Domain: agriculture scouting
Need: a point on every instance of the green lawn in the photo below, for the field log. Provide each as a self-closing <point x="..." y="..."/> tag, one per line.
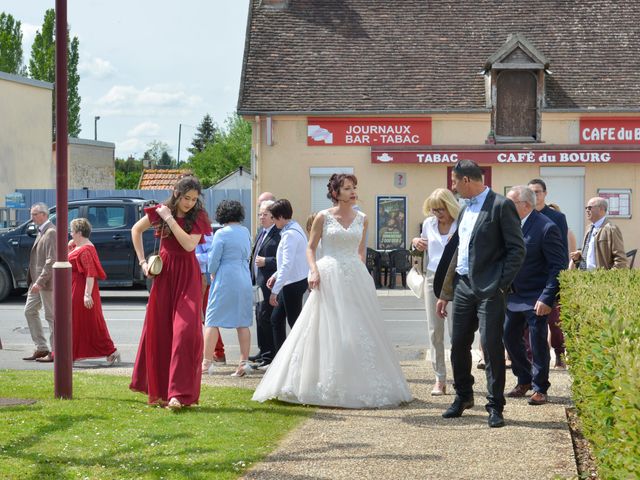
<point x="109" y="432"/>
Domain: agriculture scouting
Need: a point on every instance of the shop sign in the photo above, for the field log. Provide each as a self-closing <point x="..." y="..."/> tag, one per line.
<point x="368" y="131"/>
<point x="545" y="157"/>
<point x="620" y="130"/>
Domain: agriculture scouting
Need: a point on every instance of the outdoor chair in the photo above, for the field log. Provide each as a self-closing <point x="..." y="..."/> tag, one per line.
<point x="631" y="255"/>
<point x="373" y="266"/>
<point x="399" y="264"/>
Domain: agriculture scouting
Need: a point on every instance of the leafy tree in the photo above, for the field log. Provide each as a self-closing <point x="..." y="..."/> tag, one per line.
<point x="205" y="134"/>
<point x="10" y="45"/>
<point x="158" y="154"/>
<point x="128" y="173"/>
<point x="230" y="149"/>
<point x="42" y="66"/>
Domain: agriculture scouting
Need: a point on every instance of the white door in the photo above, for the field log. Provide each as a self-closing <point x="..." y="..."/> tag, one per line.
<point x="565" y="188"/>
<point x="319" y="179"/>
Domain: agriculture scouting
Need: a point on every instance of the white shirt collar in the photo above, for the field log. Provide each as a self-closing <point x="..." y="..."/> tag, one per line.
<point x="522" y="222"/>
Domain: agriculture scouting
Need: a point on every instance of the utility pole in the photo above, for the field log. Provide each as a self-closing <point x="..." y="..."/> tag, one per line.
<point x="63" y="364"/>
<point x="95" y="127"/>
<point x="179" y="138"/>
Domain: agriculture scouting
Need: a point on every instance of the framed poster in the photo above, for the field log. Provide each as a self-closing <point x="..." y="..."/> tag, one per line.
<point x="391" y="222"/>
<point x="619" y="200"/>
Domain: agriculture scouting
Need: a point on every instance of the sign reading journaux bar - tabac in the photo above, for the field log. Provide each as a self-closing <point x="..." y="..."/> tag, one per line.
<point x="368" y="131"/>
<point x="544" y="157"/>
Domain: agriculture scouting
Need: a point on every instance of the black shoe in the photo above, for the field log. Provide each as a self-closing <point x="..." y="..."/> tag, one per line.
<point x="256" y="358"/>
<point x="264" y="364"/>
<point x="496" y="420"/>
<point x="457" y="407"/>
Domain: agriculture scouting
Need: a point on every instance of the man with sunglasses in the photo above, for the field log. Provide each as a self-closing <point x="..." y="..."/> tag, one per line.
<point x="602" y="246"/>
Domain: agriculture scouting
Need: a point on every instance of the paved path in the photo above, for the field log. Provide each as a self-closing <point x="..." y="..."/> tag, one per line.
<point x="415" y="442"/>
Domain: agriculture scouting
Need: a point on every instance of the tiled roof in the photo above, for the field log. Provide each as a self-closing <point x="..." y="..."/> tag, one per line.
<point x="152" y="179"/>
<point x="419" y="55"/>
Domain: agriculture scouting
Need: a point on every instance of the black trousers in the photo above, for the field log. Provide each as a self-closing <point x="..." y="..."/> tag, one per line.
<point x="470" y="312"/>
<point x="264" y="332"/>
<point x="289" y="308"/>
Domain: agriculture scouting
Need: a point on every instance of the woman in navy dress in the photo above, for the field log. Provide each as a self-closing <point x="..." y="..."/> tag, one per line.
<point x="231" y="295"/>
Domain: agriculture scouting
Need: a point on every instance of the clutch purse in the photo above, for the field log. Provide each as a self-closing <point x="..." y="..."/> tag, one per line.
<point x="415" y="282"/>
<point x="257" y="294"/>
<point x="154" y="263"/>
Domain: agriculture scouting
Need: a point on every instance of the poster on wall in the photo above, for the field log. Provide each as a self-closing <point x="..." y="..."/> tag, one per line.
<point x="619" y="200"/>
<point x="391" y="222"/>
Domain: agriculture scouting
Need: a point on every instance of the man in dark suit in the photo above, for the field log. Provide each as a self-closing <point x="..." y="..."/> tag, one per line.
<point x="475" y="271"/>
<point x="263" y="265"/>
<point x="535" y="289"/>
<point x="539" y="188"/>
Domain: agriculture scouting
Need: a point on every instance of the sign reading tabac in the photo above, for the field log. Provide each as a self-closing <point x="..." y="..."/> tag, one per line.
<point x="484" y="157"/>
<point x="368" y="131"/>
<point x="618" y="130"/>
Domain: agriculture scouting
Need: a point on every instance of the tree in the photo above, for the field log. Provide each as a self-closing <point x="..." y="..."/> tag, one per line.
<point x="230" y="149"/>
<point x="42" y="66"/>
<point x="128" y="173"/>
<point x="158" y="154"/>
<point x="205" y="134"/>
<point x="10" y="45"/>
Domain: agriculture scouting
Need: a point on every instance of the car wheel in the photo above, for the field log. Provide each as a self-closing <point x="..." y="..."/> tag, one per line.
<point x="6" y="285"/>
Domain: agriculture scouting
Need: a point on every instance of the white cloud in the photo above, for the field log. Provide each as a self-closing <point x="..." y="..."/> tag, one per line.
<point x="145" y="129"/>
<point x="96" y="67"/>
<point x="150" y="100"/>
<point x="28" y="34"/>
<point x="131" y="146"/>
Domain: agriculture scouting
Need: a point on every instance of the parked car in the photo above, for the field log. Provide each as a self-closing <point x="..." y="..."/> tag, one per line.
<point x="111" y="219"/>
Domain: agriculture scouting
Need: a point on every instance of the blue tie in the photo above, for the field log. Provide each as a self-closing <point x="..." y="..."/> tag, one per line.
<point x="470" y="201"/>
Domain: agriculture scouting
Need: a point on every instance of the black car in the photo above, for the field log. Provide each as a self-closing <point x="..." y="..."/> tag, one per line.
<point x="111" y="220"/>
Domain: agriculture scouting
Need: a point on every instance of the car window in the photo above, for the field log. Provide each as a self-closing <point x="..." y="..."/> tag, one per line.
<point x="106" y="217"/>
<point x="73" y="214"/>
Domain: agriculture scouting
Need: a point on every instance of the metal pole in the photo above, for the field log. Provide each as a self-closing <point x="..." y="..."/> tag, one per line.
<point x="95" y="127"/>
<point x="63" y="364"/>
<point x="179" y="138"/>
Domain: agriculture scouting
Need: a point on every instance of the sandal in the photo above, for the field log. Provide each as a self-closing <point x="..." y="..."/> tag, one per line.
<point x="174" y="404"/>
<point x="244" y="368"/>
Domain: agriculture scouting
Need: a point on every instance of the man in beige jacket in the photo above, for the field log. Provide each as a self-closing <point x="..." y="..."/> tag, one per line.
<point x="40" y="280"/>
<point x="602" y="246"/>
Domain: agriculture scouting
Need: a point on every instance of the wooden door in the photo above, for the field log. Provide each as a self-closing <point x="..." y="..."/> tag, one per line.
<point x="516" y="104"/>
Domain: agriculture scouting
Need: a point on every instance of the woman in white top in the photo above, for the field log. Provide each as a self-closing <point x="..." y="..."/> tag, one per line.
<point x="442" y="209"/>
<point x="289" y="283"/>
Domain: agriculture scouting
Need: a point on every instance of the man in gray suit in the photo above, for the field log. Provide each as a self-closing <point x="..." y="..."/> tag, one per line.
<point x="40" y="279"/>
<point x="475" y="271"/>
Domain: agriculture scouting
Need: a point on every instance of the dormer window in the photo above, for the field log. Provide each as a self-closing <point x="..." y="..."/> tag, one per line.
<point x="516" y="72"/>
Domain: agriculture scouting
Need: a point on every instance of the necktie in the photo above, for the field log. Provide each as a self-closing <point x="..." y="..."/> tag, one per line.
<point x="585" y="249"/>
<point x="470" y="201"/>
<point x="255" y="252"/>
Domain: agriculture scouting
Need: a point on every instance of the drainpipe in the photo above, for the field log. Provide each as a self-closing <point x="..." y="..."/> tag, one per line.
<point x="257" y="169"/>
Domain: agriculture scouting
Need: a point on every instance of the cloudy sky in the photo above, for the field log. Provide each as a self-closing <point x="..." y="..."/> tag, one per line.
<point x="147" y="66"/>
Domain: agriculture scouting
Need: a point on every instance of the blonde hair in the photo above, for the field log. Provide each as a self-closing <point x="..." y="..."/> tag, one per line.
<point x="441" y="198"/>
<point x="82" y="226"/>
<point x="310" y="220"/>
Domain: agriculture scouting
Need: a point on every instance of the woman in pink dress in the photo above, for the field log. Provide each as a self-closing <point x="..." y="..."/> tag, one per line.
<point x="168" y="363"/>
<point x="91" y="337"/>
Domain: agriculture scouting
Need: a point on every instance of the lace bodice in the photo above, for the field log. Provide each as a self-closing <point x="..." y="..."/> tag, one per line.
<point x="339" y="242"/>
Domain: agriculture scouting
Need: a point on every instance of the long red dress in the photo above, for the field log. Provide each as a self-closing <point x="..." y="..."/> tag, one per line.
<point x="90" y="334"/>
<point x="169" y="359"/>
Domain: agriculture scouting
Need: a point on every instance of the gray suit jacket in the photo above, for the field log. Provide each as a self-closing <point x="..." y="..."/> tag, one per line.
<point x="43" y="255"/>
<point x="496" y="251"/>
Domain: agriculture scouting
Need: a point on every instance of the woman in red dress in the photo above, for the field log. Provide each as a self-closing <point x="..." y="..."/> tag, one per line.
<point x="168" y="363"/>
<point x="91" y="337"/>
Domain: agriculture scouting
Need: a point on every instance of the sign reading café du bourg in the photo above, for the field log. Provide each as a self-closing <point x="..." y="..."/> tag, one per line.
<point x="369" y="131"/>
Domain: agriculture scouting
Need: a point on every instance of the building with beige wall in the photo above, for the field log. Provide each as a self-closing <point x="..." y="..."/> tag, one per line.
<point x="25" y="134"/>
<point x="398" y="93"/>
<point x="91" y="164"/>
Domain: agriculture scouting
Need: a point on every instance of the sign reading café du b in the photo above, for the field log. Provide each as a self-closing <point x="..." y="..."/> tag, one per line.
<point x="368" y="131"/>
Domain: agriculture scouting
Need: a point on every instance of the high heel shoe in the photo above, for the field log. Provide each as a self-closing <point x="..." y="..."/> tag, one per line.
<point x="114" y="358"/>
<point x="244" y="368"/>
<point x="208" y="367"/>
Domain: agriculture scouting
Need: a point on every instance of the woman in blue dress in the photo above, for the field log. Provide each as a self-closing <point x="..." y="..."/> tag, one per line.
<point x="231" y="295"/>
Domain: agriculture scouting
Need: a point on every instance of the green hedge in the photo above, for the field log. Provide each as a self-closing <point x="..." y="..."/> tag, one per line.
<point x="601" y="321"/>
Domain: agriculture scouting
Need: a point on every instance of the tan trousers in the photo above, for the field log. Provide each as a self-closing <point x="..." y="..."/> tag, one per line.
<point x="436" y="328"/>
<point x="35" y="301"/>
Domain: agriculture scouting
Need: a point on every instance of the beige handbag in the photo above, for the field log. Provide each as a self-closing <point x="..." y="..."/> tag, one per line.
<point x="154" y="263"/>
<point x="415" y="282"/>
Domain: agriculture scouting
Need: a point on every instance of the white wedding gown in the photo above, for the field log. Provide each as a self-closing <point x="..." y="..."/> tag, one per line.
<point x="338" y="353"/>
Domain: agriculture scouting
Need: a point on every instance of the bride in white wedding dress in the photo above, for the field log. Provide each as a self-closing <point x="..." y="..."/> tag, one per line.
<point x="338" y="353"/>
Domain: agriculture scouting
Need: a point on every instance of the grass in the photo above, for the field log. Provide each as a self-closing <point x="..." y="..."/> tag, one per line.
<point x="109" y="432"/>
